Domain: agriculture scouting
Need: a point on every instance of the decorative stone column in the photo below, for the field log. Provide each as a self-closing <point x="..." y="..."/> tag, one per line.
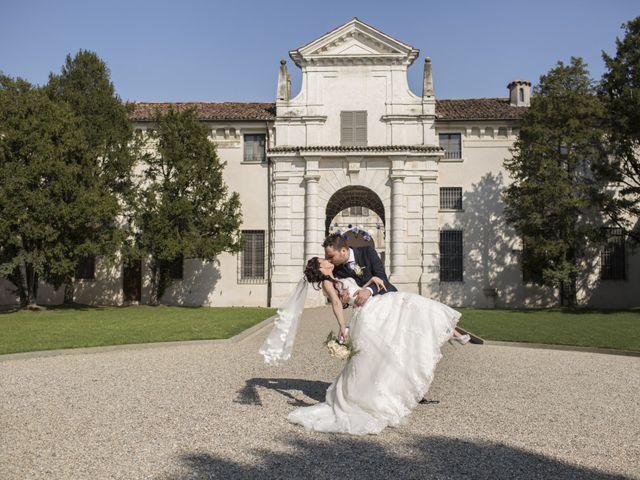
<point x="398" y="233"/>
<point x="312" y="242"/>
<point x="429" y="279"/>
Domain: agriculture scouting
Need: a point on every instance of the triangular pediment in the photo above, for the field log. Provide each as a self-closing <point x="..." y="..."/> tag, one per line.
<point x="354" y="40"/>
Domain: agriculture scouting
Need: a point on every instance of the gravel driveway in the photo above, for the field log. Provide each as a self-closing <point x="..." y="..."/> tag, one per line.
<point x="214" y="410"/>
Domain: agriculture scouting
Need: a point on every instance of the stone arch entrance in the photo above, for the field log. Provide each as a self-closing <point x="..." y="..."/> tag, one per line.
<point x="358" y="214"/>
<point x="352" y="196"/>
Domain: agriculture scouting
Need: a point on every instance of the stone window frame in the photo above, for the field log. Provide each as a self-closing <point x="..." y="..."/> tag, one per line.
<point x="255" y="159"/>
<point x="461" y="134"/>
<point x="451" y="194"/>
<point x="252" y="258"/>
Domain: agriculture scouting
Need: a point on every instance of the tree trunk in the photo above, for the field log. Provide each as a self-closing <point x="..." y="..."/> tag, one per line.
<point x="69" y="291"/>
<point x="155" y="283"/>
<point x="18" y="279"/>
<point x="32" y="285"/>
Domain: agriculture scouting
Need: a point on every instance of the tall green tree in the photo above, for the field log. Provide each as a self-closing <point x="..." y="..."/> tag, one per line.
<point x="556" y="194"/>
<point x="620" y="91"/>
<point x="52" y="206"/>
<point x="84" y="84"/>
<point x="184" y="208"/>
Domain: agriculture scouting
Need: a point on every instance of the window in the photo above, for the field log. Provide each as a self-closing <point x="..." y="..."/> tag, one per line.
<point x="353" y="128"/>
<point x="450" y="255"/>
<point x="355" y="212"/>
<point x="612" y="258"/>
<point x="176" y="269"/>
<point x="254" y="148"/>
<point x="521" y="94"/>
<point x="452" y="145"/>
<point x="86" y="268"/>
<point x="531" y="272"/>
<point x="252" y="257"/>
<point x="451" y="198"/>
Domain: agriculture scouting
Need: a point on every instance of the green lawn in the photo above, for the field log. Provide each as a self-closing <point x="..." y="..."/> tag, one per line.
<point x="618" y="329"/>
<point x="73" y="327"/>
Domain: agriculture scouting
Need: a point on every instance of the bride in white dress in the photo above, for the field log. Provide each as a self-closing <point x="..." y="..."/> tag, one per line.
<point x="398" y="337"/>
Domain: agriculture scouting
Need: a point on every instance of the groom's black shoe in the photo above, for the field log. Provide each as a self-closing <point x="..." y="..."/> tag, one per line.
<point x="425" y="401"/>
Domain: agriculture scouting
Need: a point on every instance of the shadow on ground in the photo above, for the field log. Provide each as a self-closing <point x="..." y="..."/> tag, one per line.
<point x="419" y="457"/>
<point x="249" y="395"/>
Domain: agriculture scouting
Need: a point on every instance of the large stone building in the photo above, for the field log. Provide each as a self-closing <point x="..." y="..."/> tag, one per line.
<point x="357" y="150"/>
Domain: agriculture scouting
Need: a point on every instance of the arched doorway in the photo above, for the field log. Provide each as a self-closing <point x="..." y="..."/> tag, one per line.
<point x="357" y="213"/>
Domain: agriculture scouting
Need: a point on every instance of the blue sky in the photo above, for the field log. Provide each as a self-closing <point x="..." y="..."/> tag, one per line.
<point x="229" y="51"/>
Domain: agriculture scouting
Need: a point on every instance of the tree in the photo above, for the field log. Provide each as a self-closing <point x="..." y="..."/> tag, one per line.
<point x="52" y="206"/>
<point x="84" y="84"/>
<point x="620" y="91"/>
<point x="184" y="209"/>
<point x="557" y="192"/>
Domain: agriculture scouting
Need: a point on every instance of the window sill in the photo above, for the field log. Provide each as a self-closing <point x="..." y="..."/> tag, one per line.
<point x="451" y="210"/>
<point x="245" y="162"/>
<point x="452" y="160"/>
<point x="252" y="281"/>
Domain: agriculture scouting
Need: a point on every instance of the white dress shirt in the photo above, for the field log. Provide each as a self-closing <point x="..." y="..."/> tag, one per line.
<point x="351" y="263"/>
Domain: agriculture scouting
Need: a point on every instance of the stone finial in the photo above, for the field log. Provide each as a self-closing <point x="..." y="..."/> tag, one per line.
<point x="427" y="82"/>
<point x="284" y="82"/>
<point x="519" y="93"/>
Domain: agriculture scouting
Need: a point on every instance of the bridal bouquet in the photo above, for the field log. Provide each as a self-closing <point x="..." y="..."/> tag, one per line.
<point x="340" y="348"/>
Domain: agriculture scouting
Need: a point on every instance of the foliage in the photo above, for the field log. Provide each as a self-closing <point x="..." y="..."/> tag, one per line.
<point x="620" y="91"/>
<point x="555" y="198"/>
<point x="52" y="206"/>
<point x="183" y="208"/>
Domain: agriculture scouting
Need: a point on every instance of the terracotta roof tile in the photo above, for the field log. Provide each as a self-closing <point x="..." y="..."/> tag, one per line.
<point x="210" y="110"/>
<point x="356" y="148"/>
<point x="463" y="109"/>
<point x="477" y="109"/>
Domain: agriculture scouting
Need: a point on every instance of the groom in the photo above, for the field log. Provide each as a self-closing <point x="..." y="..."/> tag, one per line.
<point x="359" y="263"/>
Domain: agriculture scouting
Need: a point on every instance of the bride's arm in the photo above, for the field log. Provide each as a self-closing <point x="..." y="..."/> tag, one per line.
<point x="336" y="305"/>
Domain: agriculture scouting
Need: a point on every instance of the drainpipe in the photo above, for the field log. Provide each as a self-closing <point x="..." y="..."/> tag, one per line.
<point x="269" y="247"/>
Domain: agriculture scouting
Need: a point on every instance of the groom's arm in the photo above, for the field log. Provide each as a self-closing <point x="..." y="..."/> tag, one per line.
<point x="377" y="269"/>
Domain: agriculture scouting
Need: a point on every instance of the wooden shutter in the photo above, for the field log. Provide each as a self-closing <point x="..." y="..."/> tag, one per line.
<point x="360" y="128"/>
<point x="346" y="128"/>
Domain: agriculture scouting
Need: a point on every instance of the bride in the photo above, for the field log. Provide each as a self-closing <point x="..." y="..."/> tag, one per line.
<point x="398" y="337"/>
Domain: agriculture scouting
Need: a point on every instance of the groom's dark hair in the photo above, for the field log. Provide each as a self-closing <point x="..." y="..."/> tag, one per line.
<point x="336" y="241"/>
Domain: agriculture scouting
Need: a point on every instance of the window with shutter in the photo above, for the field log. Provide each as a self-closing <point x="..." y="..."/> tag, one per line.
<point x="353" y="128"/>
<point x="452" y="144"/>
<point x="255" y="148"/>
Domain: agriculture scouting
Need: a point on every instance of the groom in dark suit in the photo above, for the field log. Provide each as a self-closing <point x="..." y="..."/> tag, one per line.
<point x="359" y="263"/>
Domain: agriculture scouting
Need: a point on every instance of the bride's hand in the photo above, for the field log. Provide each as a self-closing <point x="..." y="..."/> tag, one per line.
<point x="342" y="334"/>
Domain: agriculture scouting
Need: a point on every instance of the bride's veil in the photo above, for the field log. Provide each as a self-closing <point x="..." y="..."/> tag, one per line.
<point x="277" y="348"/>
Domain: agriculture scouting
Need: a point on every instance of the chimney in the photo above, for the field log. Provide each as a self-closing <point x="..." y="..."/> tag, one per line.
<point x="284" y="82"/>
<point x="519" y="93"/>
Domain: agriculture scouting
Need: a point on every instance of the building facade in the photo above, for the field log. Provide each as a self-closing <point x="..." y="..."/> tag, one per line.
<point x="356" y="150"/>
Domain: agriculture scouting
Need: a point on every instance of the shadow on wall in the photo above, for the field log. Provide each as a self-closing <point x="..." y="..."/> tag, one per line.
<point x="419" y="456"/>
<point x="197" y="287"/>
<point x="492" y="275"/>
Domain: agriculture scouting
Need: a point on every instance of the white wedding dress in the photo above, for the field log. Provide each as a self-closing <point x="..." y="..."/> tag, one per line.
<point x="398" y="336"/>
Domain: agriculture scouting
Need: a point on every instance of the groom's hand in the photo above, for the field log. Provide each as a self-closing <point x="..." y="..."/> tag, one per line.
<point x="362" y="296"/>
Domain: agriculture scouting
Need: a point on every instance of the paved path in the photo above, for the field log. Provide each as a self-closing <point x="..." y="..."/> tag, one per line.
<point x="216" y="411"/>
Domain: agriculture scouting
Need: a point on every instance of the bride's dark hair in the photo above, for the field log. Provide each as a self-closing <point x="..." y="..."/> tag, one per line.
<point x="315" y="277"/>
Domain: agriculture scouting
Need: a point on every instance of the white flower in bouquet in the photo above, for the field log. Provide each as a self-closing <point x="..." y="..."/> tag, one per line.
<point x="341" y="350"/>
